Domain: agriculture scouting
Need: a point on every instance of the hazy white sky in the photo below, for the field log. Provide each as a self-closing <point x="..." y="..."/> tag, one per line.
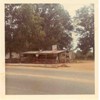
<point x="71" y="8"/>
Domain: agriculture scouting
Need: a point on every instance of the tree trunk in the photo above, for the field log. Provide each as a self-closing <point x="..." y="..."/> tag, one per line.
<point x="19" y="57"/>
<point x="93" y="52"/>
<point x="10" y="55"/>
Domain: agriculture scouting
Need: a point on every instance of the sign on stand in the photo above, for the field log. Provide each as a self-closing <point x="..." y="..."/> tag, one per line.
<point x="54" y="47"/>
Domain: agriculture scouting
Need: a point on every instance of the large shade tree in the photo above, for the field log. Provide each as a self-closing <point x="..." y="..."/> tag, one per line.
<point x="22" y="28"/>
<point x="85" y="19"/>
<point x="29" y="30"/>
<point x="57" y="25"/>
<point x="10" y="28"/>
<point x="36" y="26"/>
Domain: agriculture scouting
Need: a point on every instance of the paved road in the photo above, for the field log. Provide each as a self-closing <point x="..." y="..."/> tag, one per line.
<point x="48" y="81"/>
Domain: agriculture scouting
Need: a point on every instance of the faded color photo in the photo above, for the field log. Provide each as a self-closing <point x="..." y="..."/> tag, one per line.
<point x="49" y="49"/>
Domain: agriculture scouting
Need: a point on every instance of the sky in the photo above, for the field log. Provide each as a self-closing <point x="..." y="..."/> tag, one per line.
<point x="71" y="8"/>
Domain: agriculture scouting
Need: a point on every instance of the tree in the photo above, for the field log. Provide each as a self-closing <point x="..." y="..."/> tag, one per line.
<point x="23" y="28"/>
<point x="29" y="30"/>
<point x="57" y="25"/>
<point x="36" y="26"/>
<point x="85" y="19"/>
<point x="10" y="27"/>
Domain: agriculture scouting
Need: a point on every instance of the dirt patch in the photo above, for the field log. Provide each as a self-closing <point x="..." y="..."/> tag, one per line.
<point x="84" y="65"/>
<point x="79" y="66"/>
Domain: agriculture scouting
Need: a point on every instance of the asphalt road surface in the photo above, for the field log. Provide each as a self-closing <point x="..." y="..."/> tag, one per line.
<point x="48" y="81"/>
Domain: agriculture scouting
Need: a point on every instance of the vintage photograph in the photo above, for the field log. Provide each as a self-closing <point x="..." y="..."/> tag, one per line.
<point x="49" y="49"/>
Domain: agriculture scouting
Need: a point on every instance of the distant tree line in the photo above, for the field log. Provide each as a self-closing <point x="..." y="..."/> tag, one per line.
<point x="80" y="56"/>
<point x="39" y="26"/>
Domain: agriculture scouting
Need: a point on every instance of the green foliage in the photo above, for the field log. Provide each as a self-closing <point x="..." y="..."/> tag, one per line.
<point x="36" y="26"/>
<point x="10" y="27"/>
<point x="81" y="56"/>
<point x="85" y="17"/>
<point x="57" y="25"/>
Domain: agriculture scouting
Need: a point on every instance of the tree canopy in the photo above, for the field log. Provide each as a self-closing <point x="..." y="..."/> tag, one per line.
<point x="36" y="26"/>
<point x="85" y="19"/>
<point x="39" y="26"/>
